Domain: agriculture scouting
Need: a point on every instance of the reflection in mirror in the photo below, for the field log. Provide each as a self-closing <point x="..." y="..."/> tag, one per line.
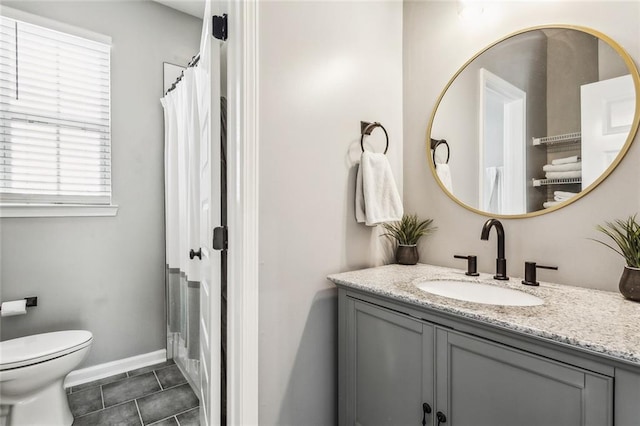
<point x="535" y="121"/>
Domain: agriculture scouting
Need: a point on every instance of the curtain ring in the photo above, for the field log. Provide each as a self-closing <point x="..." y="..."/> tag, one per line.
<point x="367" y="131"/>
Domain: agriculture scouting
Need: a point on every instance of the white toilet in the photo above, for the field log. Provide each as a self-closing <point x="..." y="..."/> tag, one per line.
<point x="32" y="372"/>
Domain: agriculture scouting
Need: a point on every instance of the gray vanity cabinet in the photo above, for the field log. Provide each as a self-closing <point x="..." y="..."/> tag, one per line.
<point x="389" y="372"/>
<point x="390" y="364"/>
<point x="484" y="383"/>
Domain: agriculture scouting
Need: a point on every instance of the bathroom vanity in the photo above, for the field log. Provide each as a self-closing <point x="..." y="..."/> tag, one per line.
<point x="408" y="357"/>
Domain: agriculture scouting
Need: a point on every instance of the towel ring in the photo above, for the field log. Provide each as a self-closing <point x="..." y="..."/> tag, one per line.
<point x="435" y="143"/>
<point x="367" y="128"/>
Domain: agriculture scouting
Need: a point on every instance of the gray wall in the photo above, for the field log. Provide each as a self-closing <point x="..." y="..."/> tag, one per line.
<point x="106" y="274"/>
<point x="521" y="62"/>
<point x="572" y="61"/>
<point x="609" y="63"/>
<point x="434" y="34"/>
<point x="324" y="66"/>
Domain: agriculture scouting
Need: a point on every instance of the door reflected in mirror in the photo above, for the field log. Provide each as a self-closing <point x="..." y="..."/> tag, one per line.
<point x="535" y="121"/>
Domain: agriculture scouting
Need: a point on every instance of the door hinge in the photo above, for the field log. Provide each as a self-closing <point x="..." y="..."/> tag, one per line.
<point x="220" y="238"/>
<point x="220" y="27"/>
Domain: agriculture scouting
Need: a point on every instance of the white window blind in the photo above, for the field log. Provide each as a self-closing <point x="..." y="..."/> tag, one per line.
<point x="54" y="117"/>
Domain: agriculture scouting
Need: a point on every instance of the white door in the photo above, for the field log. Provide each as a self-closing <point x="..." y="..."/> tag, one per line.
<point x="210" y="349"/>
<point x="502" y="157"/>
<point x="607" y="110"/>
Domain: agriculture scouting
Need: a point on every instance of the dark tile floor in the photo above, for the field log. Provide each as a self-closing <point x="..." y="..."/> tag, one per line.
<point x="155" y="395"/>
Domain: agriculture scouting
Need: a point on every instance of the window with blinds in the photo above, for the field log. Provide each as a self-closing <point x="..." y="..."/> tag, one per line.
<point x="54" y="117"/>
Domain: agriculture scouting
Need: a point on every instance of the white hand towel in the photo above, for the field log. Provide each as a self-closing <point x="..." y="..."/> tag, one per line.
<point x="565" y="160"/>
<point x="444" y="173"/>
<point x="361" y="215"/>
<point x="377" y="198"/>
<point x="562" y="167"/>
<point x="564" y="175"/>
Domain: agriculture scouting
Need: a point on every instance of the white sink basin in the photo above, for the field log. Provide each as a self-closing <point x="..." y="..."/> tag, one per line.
<point x="479" y="293"/>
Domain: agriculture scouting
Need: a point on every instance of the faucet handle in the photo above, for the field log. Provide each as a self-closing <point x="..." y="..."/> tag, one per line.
<point x="472" y="264"/>
<point x="530" y="272"/>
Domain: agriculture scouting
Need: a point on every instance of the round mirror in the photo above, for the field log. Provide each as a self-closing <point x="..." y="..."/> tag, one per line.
<point x="534" y="121"/>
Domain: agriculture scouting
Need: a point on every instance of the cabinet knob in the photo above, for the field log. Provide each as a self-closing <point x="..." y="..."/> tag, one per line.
<point x="441" y="418"/>
<point x="426" y="409"/>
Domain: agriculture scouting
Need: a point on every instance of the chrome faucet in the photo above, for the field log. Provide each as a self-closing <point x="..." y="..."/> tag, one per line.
<point x="501" y="262"/>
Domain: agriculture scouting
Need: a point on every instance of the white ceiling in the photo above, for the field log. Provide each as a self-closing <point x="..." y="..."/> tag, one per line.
<point x="191" y="7"/>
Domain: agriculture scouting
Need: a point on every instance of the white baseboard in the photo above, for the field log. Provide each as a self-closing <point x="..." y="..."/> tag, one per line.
<point x="100" y="371"/>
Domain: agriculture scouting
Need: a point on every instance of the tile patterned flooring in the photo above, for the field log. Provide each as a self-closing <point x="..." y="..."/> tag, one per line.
<point x="157" y="395"/>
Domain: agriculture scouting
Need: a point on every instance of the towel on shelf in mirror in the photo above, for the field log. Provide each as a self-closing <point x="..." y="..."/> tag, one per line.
<point x="566" y="160"/>
<point x="567" y="167"/>
<point x="377" y="198"/>
<point x="549" y="204"/>
<point x="563" y="195"/>
<point x="564" y="175"/>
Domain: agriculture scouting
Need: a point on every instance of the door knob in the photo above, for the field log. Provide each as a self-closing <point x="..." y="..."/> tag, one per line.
<point x="193" y="254"/>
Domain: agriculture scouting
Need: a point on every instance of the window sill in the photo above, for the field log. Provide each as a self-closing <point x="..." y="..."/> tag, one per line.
<point x="56" y="210"/>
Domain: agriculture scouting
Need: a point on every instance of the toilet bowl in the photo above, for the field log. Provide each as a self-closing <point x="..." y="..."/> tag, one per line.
<point x="32" y="372"/>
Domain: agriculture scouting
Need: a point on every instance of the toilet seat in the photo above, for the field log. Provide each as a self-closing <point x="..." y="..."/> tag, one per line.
<point x="29" y="350"/>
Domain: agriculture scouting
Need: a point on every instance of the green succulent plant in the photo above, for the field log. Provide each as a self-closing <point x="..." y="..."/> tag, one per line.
<point x="626" y="235"/>
<point x="408" y="230"/>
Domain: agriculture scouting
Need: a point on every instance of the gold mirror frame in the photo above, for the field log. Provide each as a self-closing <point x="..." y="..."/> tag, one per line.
<point x="633" y="70"/>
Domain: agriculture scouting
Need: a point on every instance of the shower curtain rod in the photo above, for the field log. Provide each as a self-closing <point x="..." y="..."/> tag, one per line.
<point x="192" y="63"/>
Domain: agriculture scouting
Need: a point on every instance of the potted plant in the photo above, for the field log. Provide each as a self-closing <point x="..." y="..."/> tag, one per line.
<point x="406" y="233"/>
<point x="626" y="235"/>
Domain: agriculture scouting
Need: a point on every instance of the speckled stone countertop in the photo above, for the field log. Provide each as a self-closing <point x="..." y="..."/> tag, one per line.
<point x="598" y="321"/>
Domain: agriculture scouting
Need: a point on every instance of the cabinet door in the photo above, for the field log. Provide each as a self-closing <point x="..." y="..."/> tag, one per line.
<point x="481" y="383"/>
<point x="386" y="367"/>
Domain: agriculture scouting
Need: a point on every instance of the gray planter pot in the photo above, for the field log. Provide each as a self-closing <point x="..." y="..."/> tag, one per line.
<point x="630" y="283"/>
<point x="407" y="255"/>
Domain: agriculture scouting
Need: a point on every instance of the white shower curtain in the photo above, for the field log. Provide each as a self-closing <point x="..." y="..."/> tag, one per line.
<point x="182" y="219"/>
<point x="493" y="189"/>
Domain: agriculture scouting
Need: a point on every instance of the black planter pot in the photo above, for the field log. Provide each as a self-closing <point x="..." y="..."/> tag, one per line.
<point x="407" y="255"/>
<point x="630" y="283"/>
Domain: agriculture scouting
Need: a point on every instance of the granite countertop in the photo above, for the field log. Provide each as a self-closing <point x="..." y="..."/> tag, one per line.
<point x="598" y="321"/>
